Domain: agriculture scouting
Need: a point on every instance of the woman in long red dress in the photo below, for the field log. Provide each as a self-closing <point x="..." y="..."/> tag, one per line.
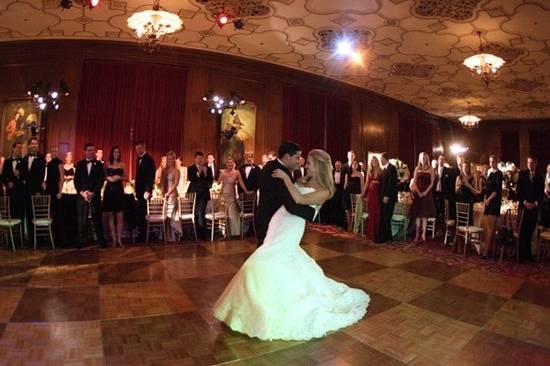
<point x="373" y="199"/>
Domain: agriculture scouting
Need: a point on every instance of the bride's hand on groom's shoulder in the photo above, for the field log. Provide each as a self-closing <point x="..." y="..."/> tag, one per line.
<point x="279" y="173"/>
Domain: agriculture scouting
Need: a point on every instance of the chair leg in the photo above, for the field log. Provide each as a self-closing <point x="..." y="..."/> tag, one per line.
<point x="466" y="237"/>
<point x="147" y="235"/>
<point x="164" y="232"/>
<point x="34" y="237"/>
<point x="195" y="230"/>
<point x="212" y="230"/>
<point x="51" y="236"/>
<point x="21" y="234"/>
<point x="12" y="241"/>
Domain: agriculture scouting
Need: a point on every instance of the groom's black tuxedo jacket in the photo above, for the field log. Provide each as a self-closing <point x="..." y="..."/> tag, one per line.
<point x="273" y="195"/>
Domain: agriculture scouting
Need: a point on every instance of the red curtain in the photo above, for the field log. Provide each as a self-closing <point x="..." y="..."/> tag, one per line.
<point x="117" y="97"/>
<point x="316" y="120"/>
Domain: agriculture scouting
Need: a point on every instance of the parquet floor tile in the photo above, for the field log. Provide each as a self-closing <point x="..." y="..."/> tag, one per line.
<point x="534" y="293"/>
<point x="433" y="269"/>
<point x="132" y="272"/>
<point x="230" y="247"/>
<point x="139" y="299"/>
<point x="395" y="283"/>
<point x="316" y="252"/>
<point x="180" y="251"/>
<point x="522" y="321"/>
<point x="460" y="303"/>
<point x="9" y="298"/>
<point x="59" y="343"/>
<point x="413" y="335"/>
<point x="204" y="292"/>
<point x="346" y="266"/>
<point x="58" y="305"/>
<point x="181" y="268"/>
<point x="71" y="275"/>
<point x="386" y="257"/>
<point x="16" y="275"/>
<point x="128" y="254"/>
<point x="25" y="257"/>
<point x="237" y="259"/>
<point x="490" y="283"/>
<point x="63" y="257"/>
<point x="346" y="247"/>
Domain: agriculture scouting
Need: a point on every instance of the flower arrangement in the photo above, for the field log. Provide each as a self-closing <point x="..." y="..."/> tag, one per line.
<point x="403" y="174"/>
<point x="510" y="182"/>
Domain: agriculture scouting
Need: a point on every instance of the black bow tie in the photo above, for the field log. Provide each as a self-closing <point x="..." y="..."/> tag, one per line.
<point x="34" y="155"/>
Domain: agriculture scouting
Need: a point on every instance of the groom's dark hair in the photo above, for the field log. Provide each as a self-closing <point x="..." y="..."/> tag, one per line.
<point x="288" y="147"/>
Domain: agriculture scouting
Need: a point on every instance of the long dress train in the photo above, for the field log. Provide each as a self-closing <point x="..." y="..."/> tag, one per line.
<point x="281" y="293"/>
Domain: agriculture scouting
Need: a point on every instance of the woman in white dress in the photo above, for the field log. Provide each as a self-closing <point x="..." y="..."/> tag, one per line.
<point x="169" y="179"/>
<point x="280" y="292"/>
<point x="228" y="179"/>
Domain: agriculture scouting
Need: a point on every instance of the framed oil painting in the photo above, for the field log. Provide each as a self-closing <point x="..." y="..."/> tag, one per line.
<point x="17" y="118"/>
<point x="238" y="132"/>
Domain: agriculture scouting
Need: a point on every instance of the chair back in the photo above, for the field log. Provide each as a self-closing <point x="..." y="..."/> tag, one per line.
<point x="187" y="204"/>
<point x="41" y="206"/>
<point x="247" y="202"/>
<point x="5" y="208"/>
<point x="401" y="208"/>
<point x="221" y="202"/>
<point x="156" y="206"/>
<point x="354" y="197"/>
<point x="462" y="214"/>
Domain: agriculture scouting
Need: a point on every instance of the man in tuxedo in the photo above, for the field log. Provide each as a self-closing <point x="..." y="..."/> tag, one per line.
<point x="201" y="179"/>
<point x="530" y="195"/>
<point x="388" y="197"/>
<point x="301" y="171"/>
<point x="441" y="179"/>
<point x="333" y="210"/>
<point x="144" y="181"/>
<point x="88" y="181"/>
<point x="250" y="173"/>
<point x="448" y="185"/>
<point x="346" y="168"/>
<point x="273" y="192"/>
<point x="52" y="184"/>
<point x="12" y="176"/>
<point x="211" y="160"/>
<point x="34" y="168"/>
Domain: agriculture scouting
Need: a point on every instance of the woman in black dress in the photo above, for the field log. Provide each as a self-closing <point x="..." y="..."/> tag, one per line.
<point x="67" y="195"/>
<point x="113" y="195"/>
<point x="492" y="201"/>
<point x="353" y="184"/>
<point x="466" y="189"/>
<point x="423" y="205"/>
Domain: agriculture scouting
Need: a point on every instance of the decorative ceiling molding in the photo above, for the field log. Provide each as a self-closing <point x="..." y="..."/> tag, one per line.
<point x="413" y="48"/>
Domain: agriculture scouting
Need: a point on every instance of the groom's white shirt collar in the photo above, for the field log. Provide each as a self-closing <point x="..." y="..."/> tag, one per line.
<point x="279" y="160"/>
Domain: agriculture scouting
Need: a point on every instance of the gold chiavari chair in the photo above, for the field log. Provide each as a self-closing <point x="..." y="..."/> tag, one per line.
<point x="187" y="205"/>
<point x="42" y="220"/>
<point x="156" y="216"/>
<point x="7" y="224"/>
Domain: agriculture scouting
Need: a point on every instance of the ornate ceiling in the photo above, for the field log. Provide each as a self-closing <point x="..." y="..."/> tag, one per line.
<point x="414" y="48"/>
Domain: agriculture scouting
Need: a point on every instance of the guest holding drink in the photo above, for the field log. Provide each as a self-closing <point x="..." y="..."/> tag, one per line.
<point x="465" y="188"/>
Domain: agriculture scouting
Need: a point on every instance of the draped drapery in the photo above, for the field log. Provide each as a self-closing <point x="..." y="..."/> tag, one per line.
<point x="316" y="120"/>
<point x="119" y="97"/>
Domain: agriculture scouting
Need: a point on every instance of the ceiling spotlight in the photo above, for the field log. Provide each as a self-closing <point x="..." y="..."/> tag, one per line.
<point x="356" y="57"/>
<point x="54" y="94"/>
<point x="44" y="96"/>
<point x="222" y="18"/>
<point x="212" y="111"/>
<point x="344" y="48"/>
<point x="92" y="3"/>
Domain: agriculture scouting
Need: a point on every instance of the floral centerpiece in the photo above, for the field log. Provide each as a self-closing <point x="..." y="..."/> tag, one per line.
<point x="510" y="182"/>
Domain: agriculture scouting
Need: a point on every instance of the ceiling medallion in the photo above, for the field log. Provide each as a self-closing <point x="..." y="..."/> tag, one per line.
<point x="469" y="121"/>
<point x="152" y="25"/>
<point x="484" y="65"/>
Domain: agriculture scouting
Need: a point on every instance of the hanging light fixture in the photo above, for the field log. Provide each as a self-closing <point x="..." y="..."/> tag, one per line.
<point x="152" y="25"/>
<point x="484" y="65"/>
<point x="469" y="121"/>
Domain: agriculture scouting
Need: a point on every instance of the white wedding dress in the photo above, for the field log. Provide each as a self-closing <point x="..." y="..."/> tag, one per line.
<point x="281" y="293"/>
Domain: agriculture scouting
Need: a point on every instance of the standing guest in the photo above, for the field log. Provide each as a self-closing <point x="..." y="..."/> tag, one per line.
<point x="67" y="195"/>
<point x="229" y="177"/>
<point x="169" y="181"/>
<point x="265" y="160"/>
<point x="441" y="177"/>
<point x="88" y="181"/>
<point x="271" y="155"/>
<point x="201" y="180"/>
<point x="353" y="184"/>
<point x="2" y="161"/>
<point x="530" y="194"/>
<point x="337" y="212"/>
<point x="12" y="177"/>
<point x="423" y="206"/>
<point x="388" y="198"/>
<point x="113" y="195"/>
<point x="34" y="166"/>
<point x="351" y="159"/>
<point x="545" y="208"/>
<point x="211" y="160"/>
<point x="144" y="182"/>
<point x="372" y="187"/>
<point x="547" y="177"/>
<point x="52" y="185"/>
<point x="159" y="170"/>
<point x="492" y="201"/>
<point x="250" y="173"/>
<point x="449" y="185"/>
<point x="182" y="185"/>
<point x="466" y="189"/>
<point x="301" y="171"/>
<point x="99" y="155"/>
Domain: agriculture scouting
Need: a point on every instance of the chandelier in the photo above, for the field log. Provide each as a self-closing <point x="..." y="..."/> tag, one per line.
<point x="484" y="65"/>
<point x="469" y="121"/>
<point x="151" y="25"/>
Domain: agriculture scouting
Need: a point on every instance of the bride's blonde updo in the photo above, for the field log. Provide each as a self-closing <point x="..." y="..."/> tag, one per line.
<point x="323" y="163"/>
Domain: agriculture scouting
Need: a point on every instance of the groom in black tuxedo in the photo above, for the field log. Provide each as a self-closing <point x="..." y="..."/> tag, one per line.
<point x="273" y="192"/>
<point x="388" y="198"/>
<point x="144" y="181"/>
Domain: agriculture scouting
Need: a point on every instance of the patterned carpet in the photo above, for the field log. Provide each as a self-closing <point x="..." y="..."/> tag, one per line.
<point x="538" y="272"/>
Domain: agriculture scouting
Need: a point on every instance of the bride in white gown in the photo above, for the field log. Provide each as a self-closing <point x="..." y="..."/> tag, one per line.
<point x="280" y="292"/>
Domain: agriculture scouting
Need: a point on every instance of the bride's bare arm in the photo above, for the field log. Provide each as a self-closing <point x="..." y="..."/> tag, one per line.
<point x="314" y="198"/>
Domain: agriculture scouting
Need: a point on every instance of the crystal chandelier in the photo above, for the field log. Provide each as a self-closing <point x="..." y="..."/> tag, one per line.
<point x="469" y="121"/>
<point x="484" y="65"/>
<point x="151" y="25"/>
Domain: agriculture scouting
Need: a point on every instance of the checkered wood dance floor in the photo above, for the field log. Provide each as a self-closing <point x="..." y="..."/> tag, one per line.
<point x="152" y="306"/>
